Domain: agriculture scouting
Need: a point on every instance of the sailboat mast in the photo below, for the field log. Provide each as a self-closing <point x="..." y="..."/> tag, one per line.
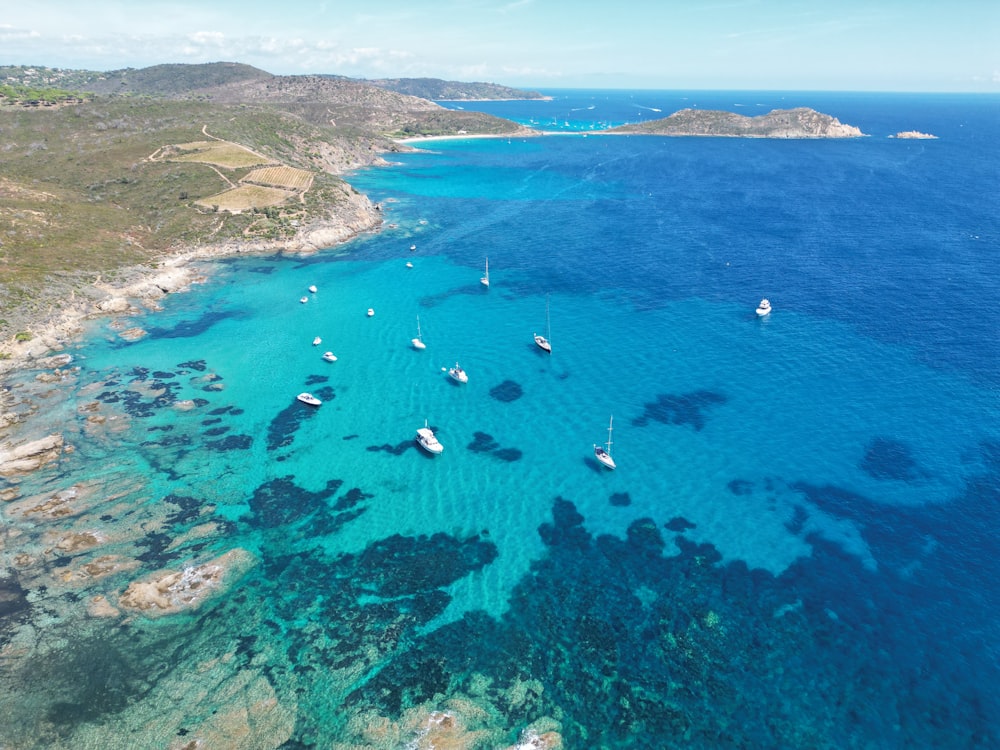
<point x="610" y="423"/>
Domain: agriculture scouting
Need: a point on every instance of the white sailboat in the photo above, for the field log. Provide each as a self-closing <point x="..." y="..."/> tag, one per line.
<point x="485" y="280"/>
<point x="604" y="454"/>
<point x="543" y="341"/>
<point x="418" y="342"/>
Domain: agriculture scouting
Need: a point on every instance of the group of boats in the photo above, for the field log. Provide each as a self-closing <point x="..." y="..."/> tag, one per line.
<point x="425" y="436"/>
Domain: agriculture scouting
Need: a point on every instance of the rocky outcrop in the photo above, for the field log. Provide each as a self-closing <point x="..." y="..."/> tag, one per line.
<point x="915" y="134"/>
<point x="801" y="122"/>
<point x="167" y="592"/>
<point x="27" y="457"/>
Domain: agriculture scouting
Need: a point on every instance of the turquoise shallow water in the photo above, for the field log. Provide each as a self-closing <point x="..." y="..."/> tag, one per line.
<point x="789" y="554"/>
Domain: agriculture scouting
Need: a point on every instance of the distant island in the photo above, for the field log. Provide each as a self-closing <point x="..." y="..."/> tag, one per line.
<point x="800" y="122"/>
<point x="436" y="89"/>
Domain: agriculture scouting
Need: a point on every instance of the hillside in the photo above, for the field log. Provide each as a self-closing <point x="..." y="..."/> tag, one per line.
<point x="436" y="89"/>
<point x="82" y="196"/>
<point x="801" y="122"/>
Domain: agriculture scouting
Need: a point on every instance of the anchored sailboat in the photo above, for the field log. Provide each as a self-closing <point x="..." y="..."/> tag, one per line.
<point x="604" y="454"/>
<point x="543" y="341"/>
<point x="418" y="342"/>
<point x="485" y="280"/>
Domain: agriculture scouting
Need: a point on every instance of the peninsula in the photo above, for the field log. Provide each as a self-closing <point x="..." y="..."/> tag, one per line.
<point x="113" y="182"/>
<point x="800" y="122"/>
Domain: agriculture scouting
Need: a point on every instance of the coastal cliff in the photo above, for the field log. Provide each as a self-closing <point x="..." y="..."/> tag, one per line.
<point x="800" y="122"/>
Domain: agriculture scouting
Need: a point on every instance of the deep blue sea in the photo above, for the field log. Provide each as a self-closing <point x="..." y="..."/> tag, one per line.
<point x="798" y="547"/>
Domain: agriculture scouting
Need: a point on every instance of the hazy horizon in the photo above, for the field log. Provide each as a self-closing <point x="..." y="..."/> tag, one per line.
<point x="780" y="45"/>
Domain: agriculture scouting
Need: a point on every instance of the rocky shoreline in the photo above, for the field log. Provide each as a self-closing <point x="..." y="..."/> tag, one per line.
<point x="142" y="287"/>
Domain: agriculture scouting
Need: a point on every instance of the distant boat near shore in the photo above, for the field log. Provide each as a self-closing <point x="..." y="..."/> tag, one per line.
<point x="308" y="398"/>
<point x="764" y="308"/>
<point x="457" y="374"/>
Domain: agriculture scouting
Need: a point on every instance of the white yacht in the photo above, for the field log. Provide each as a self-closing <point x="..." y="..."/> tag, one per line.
<point x="427" y="440"/>
<point x="457" y="374"/>
<point x="603" y="454"/>
<point x="317" y="341"/>
<point x="308" y="398"/>
<point x="303" y="300"/>
<point x="371" y="312"/>
<point x="312" y="288"/>
<point x="329" y="356"/>
<point x="764" y="307"/>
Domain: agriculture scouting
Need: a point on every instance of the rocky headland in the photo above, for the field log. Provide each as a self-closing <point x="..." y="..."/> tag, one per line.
<point x="800" y="122"/>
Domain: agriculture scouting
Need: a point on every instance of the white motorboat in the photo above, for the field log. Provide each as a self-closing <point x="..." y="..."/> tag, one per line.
<point x="312" y="288"/>
<point x="485" y="280"/>
<point x="303" y="300"/>
<point x="317" y="341"/>
<point x="413" y="247"/>
<point x="418" y="342"/>
<point x="409" y="265"/>
<point x="764" y="308"/>
<point x="428" y="441"/>
<point x="457" y="374"/>
<point x="371" y="312"/>
<point x="329" y="356"/>
<point x="543" y="341"/>
<point x="308" y="398"/>
<point x="603" y="454"/>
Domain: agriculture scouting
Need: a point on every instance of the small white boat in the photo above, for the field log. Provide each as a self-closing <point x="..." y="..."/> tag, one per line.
<point x="485" y="280"/>
<point x="764" y="307"/>
<point x="371" y="311"/>
<point x="457" y="374"/>
<point x="418" y="342"/>
<point x="329" y="356"/>
<point x="317" y="341"/>
<point x="303" y="300"/>
<point x="409" y="265"/>
<point x="312" y="288"/>
<point x="427" y="440"/>
<point x="413" y="247"/>
<point x="543" y="341"/>
<point x="308" y="398"/>
<point x="603" y="454"/>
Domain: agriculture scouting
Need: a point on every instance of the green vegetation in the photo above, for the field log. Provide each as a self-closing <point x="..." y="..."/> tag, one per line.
<point x="20" y="93"/>
<point x="89" y="189"/>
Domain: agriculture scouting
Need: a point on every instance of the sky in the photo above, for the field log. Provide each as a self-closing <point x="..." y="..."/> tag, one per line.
<point x="845" y="45"/>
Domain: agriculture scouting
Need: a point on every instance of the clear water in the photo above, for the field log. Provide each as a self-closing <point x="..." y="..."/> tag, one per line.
<point x="795" y="550"/>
